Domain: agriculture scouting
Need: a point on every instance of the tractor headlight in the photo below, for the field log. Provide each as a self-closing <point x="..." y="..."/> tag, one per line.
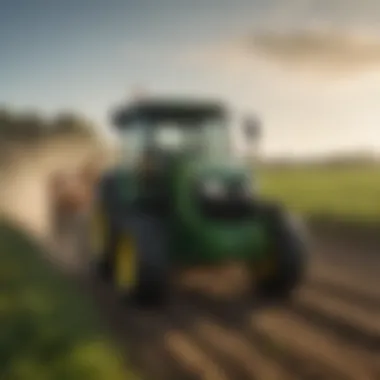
<point x="213" y="189"/>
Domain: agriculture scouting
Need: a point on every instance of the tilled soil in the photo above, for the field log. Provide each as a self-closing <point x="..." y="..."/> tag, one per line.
<point x="330" y="331"/>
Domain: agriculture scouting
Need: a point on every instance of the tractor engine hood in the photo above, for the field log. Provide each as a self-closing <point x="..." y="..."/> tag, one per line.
<point x="222" y="180"/>
<point x="217" y="190"/>
<point x="217" y="209"/>
<point x="221" y="191"/>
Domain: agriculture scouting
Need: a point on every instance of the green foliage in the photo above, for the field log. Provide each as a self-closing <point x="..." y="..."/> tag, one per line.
<point x="31" y="127"/>
<point x="70" y="124"/>
<point x="47" y="331"/>
<point x="20" y="128"/>
<point x="348" y="192"/>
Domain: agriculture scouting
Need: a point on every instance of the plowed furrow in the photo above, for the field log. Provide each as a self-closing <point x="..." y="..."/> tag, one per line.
<point x="347" y="320"/>
<point x="232" y="330"/>
<point x="324" y="353"/>
<point x="346" y="278"/>
<point x="184" y="321"/>
<point x="141" y="335"/>
<point x="231" y="346"/>
<point x="198" y="338"/>
<point x="348" y="293"/>
<point x="235" y="345"/>
<point x="191" y="358"/>
<point x="308" y="358"/>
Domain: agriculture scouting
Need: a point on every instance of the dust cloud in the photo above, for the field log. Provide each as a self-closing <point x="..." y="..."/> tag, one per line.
<point x="24" y="194"/>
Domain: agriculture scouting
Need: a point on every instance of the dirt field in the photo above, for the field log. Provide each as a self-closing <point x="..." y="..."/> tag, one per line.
<point x="330" y="331"/>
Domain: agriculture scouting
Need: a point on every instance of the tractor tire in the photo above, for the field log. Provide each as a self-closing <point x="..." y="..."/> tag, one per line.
<point x="289" y="251"/>
<point x="102" y="227"/>
<point x="149" y="261"/>
<point x="153" y="270"/>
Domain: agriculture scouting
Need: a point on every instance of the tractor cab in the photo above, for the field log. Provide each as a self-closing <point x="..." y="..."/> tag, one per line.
<point x="161" y="129"/>
<point x="173" y="142"/>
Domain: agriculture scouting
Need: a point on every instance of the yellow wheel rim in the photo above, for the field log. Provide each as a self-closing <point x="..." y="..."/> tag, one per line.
<point x="98" y="232"/>
<point x="125" y="275"/>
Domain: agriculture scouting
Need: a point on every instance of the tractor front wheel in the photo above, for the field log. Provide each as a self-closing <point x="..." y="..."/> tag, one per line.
<point x="287" y="256"/>
<point x="132" y="258"/>
<point x="130" y="248"/>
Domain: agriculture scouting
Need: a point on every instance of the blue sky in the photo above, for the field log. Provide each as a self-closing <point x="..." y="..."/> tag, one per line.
<point x="82" y="53"/>
<point x="87" y="55"/>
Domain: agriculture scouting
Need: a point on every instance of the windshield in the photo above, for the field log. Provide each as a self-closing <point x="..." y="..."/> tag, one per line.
<point x="207" y="137"/>
<point x="132" y="141"/>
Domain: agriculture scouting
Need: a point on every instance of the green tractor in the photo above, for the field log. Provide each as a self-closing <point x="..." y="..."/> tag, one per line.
<point x="180" y="199"/>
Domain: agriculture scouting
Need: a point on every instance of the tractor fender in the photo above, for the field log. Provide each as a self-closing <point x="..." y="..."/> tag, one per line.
<point x="299" y="225"/>
<point x="286" y="221"/>
<point x="292" y="251"/>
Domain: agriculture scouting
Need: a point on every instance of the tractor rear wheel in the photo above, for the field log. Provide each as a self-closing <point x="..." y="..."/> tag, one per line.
<point x="287" y="258"/>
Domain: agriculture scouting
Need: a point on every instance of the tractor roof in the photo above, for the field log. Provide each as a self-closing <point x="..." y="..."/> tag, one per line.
<point x="168" y="109"/>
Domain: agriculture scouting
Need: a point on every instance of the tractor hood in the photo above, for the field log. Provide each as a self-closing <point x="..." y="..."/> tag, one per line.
<point x="225" y="172"/>
<point x="181" y="183"/>
<point x="216" y="210"/>
<point x="220" y="179"/>
<point x="216" y="191"/>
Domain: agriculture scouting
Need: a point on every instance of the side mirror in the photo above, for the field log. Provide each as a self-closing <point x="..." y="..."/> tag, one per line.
<point x="252" y="129"/>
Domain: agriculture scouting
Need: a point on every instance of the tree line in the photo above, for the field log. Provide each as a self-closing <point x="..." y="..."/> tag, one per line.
<point x="27" y="127"/>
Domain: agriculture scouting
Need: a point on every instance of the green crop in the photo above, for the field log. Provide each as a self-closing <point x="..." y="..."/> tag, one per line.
<point x="347" y="192"/>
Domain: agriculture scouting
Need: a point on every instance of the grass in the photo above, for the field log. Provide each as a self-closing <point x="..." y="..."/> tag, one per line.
<point x="344" y="192"/>
<point x="48" y="330"/>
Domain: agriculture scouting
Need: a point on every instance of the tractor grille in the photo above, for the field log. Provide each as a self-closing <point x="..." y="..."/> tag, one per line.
<point x="233" y="206"/>
<point x="225" y="210"/>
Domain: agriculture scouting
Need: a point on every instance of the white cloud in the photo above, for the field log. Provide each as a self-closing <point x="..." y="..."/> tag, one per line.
<point x="319" y="50"/>
<point x="311" y="69"/>
<point x="320" y="36"/>
<point x="301" y="113"/>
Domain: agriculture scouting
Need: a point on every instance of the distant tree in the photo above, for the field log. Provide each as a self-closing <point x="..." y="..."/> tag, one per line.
<point x="5" y="116"/>
<point x="70" y="124"/>
<point x="359" y="157"/>
<point x="6" y="121"/>
<point x="24" y="127"/>
<point x="31" y="127"/>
